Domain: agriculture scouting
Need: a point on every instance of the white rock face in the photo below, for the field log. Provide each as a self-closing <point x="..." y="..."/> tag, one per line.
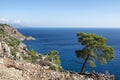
<point x="22" y="45"/>
<point x="4" y="49"/>
<point x="1" y="50"/>
<point x="10" y="74"/>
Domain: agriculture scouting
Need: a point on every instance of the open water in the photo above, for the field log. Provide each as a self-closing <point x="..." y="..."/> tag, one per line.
<point x="65" y="41"/>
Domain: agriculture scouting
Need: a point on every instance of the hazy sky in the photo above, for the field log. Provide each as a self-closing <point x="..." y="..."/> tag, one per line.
<point x="61" y="13"/>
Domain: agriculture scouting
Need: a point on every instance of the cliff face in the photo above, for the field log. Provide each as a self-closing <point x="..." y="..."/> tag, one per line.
<point x="19" y="63"/>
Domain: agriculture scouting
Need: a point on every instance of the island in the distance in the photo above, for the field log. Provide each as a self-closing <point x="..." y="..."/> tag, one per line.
<point x="19" y="63"/>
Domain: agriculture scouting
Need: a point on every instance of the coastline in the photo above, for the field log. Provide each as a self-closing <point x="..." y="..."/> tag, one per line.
<point x="23" y="56"/>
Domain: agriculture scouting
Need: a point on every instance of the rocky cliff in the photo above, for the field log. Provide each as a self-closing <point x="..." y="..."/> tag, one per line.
<point x="19" y="63"/>
<point x="11" y="31"/>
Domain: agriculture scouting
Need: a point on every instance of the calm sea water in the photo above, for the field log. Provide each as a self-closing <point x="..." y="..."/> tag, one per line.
<point x="65" y="41"/>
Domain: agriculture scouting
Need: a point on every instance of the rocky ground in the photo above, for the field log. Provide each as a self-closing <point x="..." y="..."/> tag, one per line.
<point x="13" y="70"/>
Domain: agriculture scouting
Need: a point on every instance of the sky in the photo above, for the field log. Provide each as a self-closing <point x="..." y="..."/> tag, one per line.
<point x="61" y="13"/>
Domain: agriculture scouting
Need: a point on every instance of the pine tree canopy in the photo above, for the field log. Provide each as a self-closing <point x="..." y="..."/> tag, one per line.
<point x="94" y="48"/>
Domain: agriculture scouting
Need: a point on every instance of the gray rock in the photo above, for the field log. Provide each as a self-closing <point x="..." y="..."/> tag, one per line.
<point x="4" y="49"/>
<point x="29" y="38"/>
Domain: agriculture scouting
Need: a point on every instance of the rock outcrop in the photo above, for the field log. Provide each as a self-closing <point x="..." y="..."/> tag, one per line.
<point x="14" y="32"/>
<point x="4" y="49"/>
<point x="11" y="31"/>
<point x="29" y="38"/>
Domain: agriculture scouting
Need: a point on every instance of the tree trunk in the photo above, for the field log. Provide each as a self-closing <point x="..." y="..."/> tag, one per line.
<point x="83" y="66"/>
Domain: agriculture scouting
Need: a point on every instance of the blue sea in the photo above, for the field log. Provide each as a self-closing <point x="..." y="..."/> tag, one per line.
<point x="65" y="41"/>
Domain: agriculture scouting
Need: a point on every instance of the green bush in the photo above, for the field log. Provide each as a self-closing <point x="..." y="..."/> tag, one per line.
<point x="52" y="67"/>
<point x="33" y="57"/>
<point x="54" y="56"/>
<point x="32" y="53"/>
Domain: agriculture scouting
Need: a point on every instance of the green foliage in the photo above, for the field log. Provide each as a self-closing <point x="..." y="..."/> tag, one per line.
<point x="33" y="56"/>
<point x="13" y="51"/>
<point x="32" y="53"/>
<point x="95" y="48"/>
<point x="54" y="60"/>
<point x="13" y="42"/>
<point x="53" y="55"/>
<point x="53" y="67"/>
<point x="92" y="64"/>
<point x="10" y="40"/>
<point x="56" y="68"/>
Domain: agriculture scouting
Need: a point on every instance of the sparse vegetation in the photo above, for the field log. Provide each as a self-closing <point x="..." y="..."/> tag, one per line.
<point x="32" y="56"/>
<point x="51" y="58"/>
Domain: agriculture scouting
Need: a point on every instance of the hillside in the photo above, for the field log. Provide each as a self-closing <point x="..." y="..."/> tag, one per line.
<point x="19" y="63"/>
<point x="11" y="31"/>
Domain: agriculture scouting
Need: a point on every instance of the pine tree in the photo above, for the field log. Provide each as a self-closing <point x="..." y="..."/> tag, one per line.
<point x="94" y="49"/>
